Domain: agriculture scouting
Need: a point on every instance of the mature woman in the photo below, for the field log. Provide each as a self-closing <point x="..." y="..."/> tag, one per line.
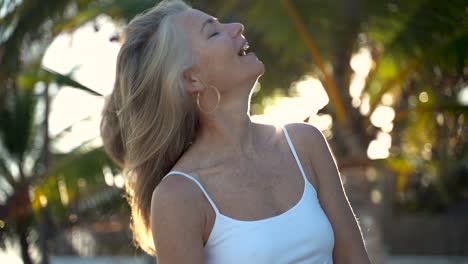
<point x="204" y="182"/>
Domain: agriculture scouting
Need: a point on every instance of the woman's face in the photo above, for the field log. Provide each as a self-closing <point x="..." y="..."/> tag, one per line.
<point x="216" y="46"/>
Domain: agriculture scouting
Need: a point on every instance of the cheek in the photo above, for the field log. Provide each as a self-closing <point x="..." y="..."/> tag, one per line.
<point x="216" y="58"/>
<point x="221" y="47"/>
<point x="222" y="57"/>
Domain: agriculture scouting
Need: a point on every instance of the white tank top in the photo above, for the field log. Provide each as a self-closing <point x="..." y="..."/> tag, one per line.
<point x="302" y="234"/>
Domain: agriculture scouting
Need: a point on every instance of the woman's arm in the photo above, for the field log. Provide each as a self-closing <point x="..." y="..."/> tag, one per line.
<point x="349" y="245"/>
<point x="177" y="222"/>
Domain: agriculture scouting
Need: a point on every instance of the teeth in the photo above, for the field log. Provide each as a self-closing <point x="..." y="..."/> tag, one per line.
<point x="244" y="48"/>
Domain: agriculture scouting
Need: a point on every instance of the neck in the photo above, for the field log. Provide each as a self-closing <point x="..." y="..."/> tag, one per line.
<point x="228" y="130"/>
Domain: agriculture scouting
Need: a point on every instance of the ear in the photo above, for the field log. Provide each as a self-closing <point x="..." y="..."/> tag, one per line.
<point x="193" y="81"/>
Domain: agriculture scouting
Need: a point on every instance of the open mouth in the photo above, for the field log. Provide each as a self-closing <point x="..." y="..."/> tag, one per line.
<point x="242" y="51"/>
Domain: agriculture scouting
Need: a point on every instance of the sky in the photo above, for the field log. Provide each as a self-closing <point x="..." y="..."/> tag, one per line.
<point x="95" y="56"/>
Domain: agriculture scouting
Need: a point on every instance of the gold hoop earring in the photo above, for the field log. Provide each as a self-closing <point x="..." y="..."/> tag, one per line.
<point x="217" y="103"/>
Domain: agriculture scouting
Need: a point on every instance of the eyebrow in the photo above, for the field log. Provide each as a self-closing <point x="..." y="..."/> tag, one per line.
<point x="208" y="21"/>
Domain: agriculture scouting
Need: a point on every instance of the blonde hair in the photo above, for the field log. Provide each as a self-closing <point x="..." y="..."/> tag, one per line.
<point x="150" y="119"/>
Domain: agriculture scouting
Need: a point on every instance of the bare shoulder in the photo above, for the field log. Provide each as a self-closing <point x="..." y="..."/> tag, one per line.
<point x="176" y="189"/>
<point x="308" y="138"/>
<point x="177" y="221"/>
<point x="314" y="143"/>
<point x="305" y="132"/>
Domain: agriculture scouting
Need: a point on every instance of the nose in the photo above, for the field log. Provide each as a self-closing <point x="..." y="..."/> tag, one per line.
<point x="238" y="29"/>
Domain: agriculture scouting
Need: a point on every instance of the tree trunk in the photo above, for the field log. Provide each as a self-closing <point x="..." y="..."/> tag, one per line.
<point x="43" y="225"/>
<point x="22" y="230"/>
<point x="43" y="234"/>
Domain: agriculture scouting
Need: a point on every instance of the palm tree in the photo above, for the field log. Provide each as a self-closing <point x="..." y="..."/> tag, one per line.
<point x="26" y="29"/>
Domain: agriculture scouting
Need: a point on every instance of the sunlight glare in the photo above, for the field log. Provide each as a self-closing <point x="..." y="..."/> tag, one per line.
<point x="357" y="85"/>
<point x="96" y="57"/>
<point x="387" y="99"/>
<point x="382" y="116"/>
<point x="462" y="96"/>
<point x="108" y="176"/>
<point x="322" y="122"/>
<point x="119" y="180"/>
<point x="364" y="108"/>
<point x="311" y="97"/>
<point x="379" y="148"/>
<point x="362" y="62"/>
<point x="10" y="257"/>
<point x="423" y="97"/>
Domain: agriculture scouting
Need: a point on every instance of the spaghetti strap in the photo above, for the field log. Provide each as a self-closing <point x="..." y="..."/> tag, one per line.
<point x="215" y="208"/>
<point x="291" y="146"/>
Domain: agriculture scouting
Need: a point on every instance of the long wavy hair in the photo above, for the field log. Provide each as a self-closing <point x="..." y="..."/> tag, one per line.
<point x="149" y="119"/>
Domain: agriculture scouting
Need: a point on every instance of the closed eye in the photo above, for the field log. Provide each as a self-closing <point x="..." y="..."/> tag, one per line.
<point x="214" y="34"/>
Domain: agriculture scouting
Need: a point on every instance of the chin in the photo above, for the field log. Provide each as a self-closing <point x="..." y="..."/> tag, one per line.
<point x="258" y="67"/>
<point x="260" y="71"/>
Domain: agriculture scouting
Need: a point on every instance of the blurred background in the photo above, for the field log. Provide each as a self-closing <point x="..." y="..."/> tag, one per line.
<point x="386" y="81"/>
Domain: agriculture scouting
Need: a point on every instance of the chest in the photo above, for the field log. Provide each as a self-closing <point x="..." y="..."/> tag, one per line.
<point x="299" y="232"/>
<point x="263" y="187"/>
<point x="303" y="235"/>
